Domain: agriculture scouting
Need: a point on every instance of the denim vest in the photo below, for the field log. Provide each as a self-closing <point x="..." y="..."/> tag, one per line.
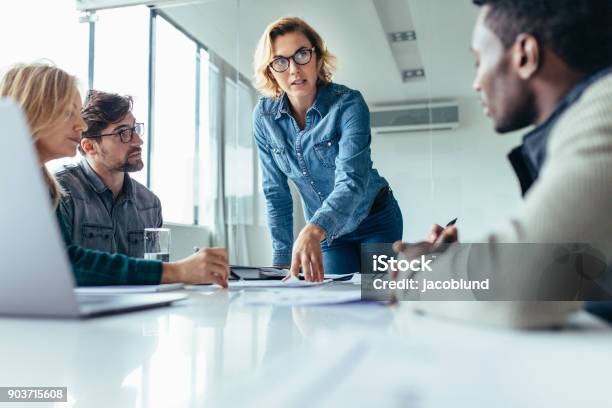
<point x="328" y="161"/>
<point x="528" y="158"/>
<point x="96" y="221"/>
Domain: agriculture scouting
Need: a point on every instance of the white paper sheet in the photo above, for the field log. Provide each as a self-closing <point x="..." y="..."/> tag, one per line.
<point x="291" y="283"/>
<point x="356" y="279"/>
<point x="333" y="276"/>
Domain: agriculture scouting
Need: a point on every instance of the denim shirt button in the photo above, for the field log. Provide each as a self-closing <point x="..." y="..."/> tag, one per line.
<point x="304" y="173"/>
<point x="329" y="143"/>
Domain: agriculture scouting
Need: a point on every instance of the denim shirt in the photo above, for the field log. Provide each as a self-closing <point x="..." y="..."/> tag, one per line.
<point x="528" y="158"/>
<point x="97" y="221"/>
<point x="328" y="161"/>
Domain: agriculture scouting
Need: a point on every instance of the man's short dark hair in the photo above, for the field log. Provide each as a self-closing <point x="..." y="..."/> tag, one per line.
<point x="578" y="31"/>
<point x="102" y="109"/>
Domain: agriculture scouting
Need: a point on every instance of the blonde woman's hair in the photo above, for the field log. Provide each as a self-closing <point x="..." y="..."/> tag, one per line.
<point x="264" y="81"/>
<point x="43" y="92"/>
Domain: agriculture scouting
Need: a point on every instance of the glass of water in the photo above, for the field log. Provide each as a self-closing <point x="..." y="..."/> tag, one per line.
<point x="157" y="244"/>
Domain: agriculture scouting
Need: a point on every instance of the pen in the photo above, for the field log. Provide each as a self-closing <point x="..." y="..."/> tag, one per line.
<point x="451" y="223"/>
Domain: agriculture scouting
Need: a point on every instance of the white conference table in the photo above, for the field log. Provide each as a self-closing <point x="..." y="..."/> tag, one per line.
<point x="215" y="349"/>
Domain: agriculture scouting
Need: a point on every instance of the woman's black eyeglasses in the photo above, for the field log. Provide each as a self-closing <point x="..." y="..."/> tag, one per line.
<point x="125" y="134"/>
<point x="301" y="57"/>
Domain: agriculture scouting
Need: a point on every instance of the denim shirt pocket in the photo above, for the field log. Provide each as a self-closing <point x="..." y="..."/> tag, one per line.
<point x="327" y="150"/>
<point x="280" y="157"/>
<point x="97" y="237"/>
<point x="136" y="243"/>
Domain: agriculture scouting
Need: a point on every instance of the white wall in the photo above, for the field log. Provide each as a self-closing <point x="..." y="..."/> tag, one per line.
<point x="472" y="178"/>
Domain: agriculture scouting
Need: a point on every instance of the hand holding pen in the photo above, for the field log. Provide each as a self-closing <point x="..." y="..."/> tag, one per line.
<point x="446" y="235"/>
<point x="436" y="241"/>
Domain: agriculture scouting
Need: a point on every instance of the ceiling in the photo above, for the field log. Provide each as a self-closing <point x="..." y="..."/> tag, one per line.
<point x="353" y="31"/>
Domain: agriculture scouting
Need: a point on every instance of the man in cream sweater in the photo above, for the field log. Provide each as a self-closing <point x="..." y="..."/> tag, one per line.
<point x="546" y="63"/>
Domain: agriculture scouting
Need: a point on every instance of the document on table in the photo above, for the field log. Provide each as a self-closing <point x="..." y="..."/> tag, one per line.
<point x="355" y="279"/>
<point x="125" y="289"/>
<point x="291" y="283"/>
<point x="257" y="273"/>
<point x="337" y="277"/>
<point x="342" y="277"/>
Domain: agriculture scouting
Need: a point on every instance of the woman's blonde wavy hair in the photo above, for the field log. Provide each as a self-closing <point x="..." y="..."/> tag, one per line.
<point x="43" y="92"/>
<point x="264" y="81"/>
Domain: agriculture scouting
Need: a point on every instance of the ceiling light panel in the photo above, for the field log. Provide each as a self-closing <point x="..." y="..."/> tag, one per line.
<point x="402" y="39"/>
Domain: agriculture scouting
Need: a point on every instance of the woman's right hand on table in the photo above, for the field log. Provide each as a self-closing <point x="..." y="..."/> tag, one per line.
<point x="208" y="265"/>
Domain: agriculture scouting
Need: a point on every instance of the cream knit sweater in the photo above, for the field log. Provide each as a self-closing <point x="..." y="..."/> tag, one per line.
<point x="571" y="201"/>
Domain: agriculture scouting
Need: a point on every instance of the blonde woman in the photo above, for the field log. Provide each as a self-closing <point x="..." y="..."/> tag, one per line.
<point x="317" y="134"/>
<point x="52" y="105"/>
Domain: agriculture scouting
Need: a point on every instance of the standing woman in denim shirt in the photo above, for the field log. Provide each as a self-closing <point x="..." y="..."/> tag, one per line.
<point x="317" y="134"/>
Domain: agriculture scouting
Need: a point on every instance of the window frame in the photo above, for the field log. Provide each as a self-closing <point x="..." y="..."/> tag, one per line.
<point x="227" y="72"/>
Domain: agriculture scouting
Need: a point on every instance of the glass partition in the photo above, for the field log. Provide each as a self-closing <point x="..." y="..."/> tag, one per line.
<point x="121" y="63"/>
<point x="174" y="133"/>
<point x="409" y="59"/>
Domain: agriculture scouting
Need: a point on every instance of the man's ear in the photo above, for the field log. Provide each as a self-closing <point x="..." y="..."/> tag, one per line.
<point x="88" y="146"/>
<point x="526" y="56"/>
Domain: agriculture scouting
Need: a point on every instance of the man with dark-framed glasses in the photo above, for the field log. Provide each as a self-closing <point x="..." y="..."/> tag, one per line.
<point x="105" y="208"/>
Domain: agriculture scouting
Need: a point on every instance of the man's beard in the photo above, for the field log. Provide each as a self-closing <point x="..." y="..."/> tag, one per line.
<point x="520" y="109"/>
<point x="517" y="120"/>
<point x="127" y="167"/>
<point x="132" y="167"/>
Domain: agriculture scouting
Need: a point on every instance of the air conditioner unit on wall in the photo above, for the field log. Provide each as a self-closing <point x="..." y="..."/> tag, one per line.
<point x="415" y="117"/>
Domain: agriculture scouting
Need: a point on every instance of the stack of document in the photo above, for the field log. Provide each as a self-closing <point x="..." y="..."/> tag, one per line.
<point x="257" y="273"/>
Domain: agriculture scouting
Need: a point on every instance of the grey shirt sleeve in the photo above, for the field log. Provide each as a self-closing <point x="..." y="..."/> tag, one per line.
<point x="160" y="218"/>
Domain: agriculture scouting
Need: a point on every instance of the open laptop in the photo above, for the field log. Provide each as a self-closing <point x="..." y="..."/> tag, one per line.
<point x="35" y="275"/>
